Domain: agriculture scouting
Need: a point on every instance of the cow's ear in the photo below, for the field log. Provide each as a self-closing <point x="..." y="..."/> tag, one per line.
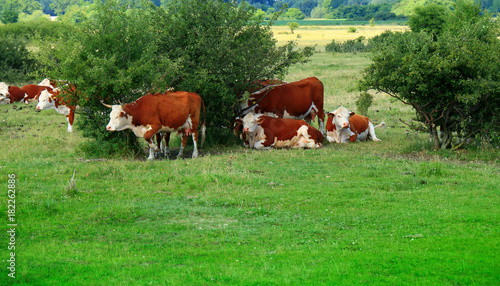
<point x="351" y="113"/>
<point x="330" y="114"/>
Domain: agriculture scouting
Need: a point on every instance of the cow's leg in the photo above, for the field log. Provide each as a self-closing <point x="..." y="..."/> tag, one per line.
<point x="183" y="145"/>
<point x="70" y="118"/>
<point x="371" y="131"/>
<point x="159" y="138"/>
<point x="167" y="143"/>
<point x="321" y="121"/>
<point x="195" y="147"/>
<point x="152" y="146"/>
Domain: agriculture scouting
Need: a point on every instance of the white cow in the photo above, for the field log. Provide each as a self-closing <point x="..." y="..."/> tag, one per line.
<point x="343" y="126"/>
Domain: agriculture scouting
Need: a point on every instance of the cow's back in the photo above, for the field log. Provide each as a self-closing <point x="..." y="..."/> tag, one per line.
<point x="280" y="129"/>
<point x="170" y="109"/>
<point x="294" y="98"/>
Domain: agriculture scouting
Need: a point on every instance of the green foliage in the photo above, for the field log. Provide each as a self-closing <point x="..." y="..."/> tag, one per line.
<point x="15" y="62"/>
<point x="452" y="81"/>
<point x="381" y="12"/>
<point x="352" y="30"/>
<point x="363" y="103"/>
<point x="407" y="7"/>
<point x="293" y="14"/>
<point x="430" y="19"/>
<point x="293" y="26"/>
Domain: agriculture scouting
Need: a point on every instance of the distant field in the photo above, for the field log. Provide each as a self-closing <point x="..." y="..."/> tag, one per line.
<point x="323" y="35"/>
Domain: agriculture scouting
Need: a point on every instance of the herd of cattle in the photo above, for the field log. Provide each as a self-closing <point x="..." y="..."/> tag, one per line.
<point x="275" y="115"/>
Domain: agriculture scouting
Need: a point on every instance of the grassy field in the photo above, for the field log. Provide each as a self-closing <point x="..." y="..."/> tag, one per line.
<point x="379" y="213"/>
<point x="323" y="35"/>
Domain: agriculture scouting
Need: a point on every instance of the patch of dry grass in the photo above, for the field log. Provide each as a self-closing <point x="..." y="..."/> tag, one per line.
<point x="323" y="35"/>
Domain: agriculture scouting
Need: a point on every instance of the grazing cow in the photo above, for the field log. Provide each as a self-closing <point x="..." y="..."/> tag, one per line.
<point x="26" y="93"/>
<point x="343" y="126"/>
<point x="301" y="99"/>
<point x="265" y="132"/>
<point x="152" y="113"/>
<point x="54" y="100"/>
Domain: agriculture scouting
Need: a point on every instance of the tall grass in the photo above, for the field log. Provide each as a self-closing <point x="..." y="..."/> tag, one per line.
<point x="381" y="213"/>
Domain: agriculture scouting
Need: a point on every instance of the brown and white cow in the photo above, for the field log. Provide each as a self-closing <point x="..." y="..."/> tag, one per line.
<point x="301" y="99"/>
<point x="343" y="126"/>
<point x="26" y="93"/>
<point x="265" y="132"/>
<point x="170" y="112"/>
<point x="54" y="100"/>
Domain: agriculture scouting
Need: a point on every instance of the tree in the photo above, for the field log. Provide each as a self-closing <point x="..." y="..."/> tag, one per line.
<point x="10" y="11"/>
<point x="430" y="19"/>
<point x="30" y="6"/>
<point x="294" y="14"/>
<point x="407" y="7"/>
<point x="293" y="26"/>
<point x="452" y="81"/>
<point x="214" y="48"/>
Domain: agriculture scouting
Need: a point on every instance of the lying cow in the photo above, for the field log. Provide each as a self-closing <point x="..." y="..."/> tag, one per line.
<point x="26" y="93"/>
<point x="54" y="100"/>
<point x="265" y="132"/>
<point x="170" y="112"/>
<point x="301" y="99"/>
<point x="343" y="126"/>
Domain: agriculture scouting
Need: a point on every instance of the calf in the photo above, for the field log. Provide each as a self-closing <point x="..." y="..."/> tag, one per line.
<point x="152" y="113"/>
<point x="54" y="100"/>
<point x="265" y="132"/>
<point x="343" y="126"/>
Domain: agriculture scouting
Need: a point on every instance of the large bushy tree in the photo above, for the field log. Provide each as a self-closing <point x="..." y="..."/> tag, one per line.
<point x="213" y="48"/>
<point x="452" y="79"/>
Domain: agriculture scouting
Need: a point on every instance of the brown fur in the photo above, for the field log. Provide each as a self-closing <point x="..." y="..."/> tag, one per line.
<point x="295" y="97"/>
<point x="279" y="129"/>
<point x="32" y="90"/>
<point x="171" y="109"/>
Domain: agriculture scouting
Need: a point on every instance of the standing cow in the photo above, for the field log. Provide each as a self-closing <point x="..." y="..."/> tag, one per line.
<point x="265" y="132"/>
<point x="170" y="112"/>
<point x="54" y="100"/>
<point x="301" y="99"/>
<point x="343" y="126"/>
<point x="26" y="93"/>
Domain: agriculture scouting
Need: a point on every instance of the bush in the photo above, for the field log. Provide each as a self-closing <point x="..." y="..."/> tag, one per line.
<point x="350" y="46"/>
<point x="364" y="102"/>
<point x="15" y="62"/>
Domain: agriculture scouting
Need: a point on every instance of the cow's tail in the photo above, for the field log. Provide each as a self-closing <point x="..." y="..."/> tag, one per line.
<point x="381" y="124"/>
<point x="203" y="126"/>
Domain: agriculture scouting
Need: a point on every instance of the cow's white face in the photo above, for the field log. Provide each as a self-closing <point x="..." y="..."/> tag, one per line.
<point x="45" y="101"/>
<point x="250" y="123"/>
<point x="341" y="118"/>
<point x="119" y="119"/>
<point x="3" y="89"/>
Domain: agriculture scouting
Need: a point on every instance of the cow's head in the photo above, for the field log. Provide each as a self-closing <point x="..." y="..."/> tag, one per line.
<point x="250" y="123"/>
<point x="119" y="118"/>
<point x="45" y="100"/>
<point x="340" y="117"/>
<point x="3" y="89"/>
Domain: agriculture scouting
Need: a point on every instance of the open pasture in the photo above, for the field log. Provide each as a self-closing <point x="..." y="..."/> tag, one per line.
<point x="380" y="213"/>
<point x="323" y="35"/>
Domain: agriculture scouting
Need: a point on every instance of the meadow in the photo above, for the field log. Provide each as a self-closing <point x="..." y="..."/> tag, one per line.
<point x="380" y="213"/>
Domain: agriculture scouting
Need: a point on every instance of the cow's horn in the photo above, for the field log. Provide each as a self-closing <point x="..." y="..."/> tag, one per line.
<point x="107" y="105"/>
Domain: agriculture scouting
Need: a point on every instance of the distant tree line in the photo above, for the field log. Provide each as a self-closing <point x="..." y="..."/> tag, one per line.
<point x="12" y="11"/>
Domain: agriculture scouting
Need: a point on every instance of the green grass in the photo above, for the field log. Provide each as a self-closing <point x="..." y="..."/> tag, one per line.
<point x="380" y="213"/>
